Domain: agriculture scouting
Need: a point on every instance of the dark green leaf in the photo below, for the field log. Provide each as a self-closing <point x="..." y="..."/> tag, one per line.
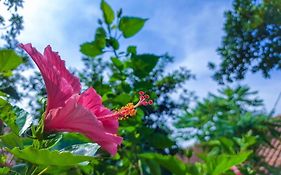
<point x="144" y="64"/>
<point x="131" y="25"/>
<point x="168" y="162"/>
<point x="108" y="13"/>
<point x="119" y="13"/>
<point x="11" y="91"/>
<point x="153" y="166"/>
<point x="114" y="43"/>
<point x="7" y="115"/>
<point x="70" y="139"/>
<point x="160" y="141"/>
<point x="12" y="140"/>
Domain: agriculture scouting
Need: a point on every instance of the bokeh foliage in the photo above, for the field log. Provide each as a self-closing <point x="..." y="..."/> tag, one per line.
<point x="252" y="40"/>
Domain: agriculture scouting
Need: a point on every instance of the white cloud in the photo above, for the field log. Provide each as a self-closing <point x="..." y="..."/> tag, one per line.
<point x="191" y="33"/>
<point x="56" y="23"/>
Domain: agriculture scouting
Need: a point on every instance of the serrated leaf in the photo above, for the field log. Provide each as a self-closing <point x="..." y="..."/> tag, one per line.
<point x="108" y="13"/>
<point x="130" y="26"/>
<point x="48" y="158"/>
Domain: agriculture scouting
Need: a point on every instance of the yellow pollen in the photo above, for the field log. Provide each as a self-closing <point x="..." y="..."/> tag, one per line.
<point x="127" y="111"/>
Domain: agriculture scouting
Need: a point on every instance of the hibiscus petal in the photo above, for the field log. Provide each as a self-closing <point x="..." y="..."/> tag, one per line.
<point x="60" y="83"/>
<point x="73" y="117"/>
<point x="91" y="100"/>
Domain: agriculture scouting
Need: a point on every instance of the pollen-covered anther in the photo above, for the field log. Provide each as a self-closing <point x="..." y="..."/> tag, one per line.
<point x="130" y="109"/>
<point x="127" y="111"/>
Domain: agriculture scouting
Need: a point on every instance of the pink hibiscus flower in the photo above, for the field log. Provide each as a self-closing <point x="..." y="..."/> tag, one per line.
<point x="69" y="111"/>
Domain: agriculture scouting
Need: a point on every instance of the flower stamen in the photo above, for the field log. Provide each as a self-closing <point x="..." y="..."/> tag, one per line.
<point x="130" y="110"/>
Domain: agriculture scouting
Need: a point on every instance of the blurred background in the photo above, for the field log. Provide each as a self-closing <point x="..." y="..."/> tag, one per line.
<point x="211" y="67"/>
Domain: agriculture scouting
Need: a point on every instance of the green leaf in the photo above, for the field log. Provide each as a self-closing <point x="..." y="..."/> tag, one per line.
<point x="100" y="36"/>
<point x="20" y="168"/>
<point x="12" y="140"/>
<point x="160" y="141"/>
<point x="132" y="50"/>
<point x="86" y="149"/>
<point x="153" y="167"/>
<point x="130" y="26"/>
<point x="116" y="62"/>
<point x="7" y="115"/>
<point x="4" y="170"/>
<point x="90" y="49"/>
<point x="122" y="99"/>
<point x="48" y="158"/>
<point x="70" y="139"/>
<point x="2" y="94"/>
<point x="14" y="117"/>
<point x="11" y="91"/>
<point x="22" y="119"/>
<point x="9" y="60"/>
<point x="170" y="163"/>
<point x="144" y="64"/>
<point x="225" y="162"/>
<point x="108" y="13"/>
<point x="114" y="43"/>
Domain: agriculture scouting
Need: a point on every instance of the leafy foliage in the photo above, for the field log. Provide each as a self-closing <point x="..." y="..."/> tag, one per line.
<point x="252" y="41"/>
<point x="231" y="121"/>
<point x="119" y="78"/>
<point x="227" y="125"/>
<point x="130" y="25"/>
<point x="13" y="24"/>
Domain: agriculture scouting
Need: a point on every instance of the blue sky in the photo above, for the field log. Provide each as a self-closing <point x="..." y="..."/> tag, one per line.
<point x="189" y="30"/>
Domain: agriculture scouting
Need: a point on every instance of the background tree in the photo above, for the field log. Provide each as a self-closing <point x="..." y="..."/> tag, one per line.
<point x="10" y="27"/>
<point x="252" y="41"/>
<point x="118" y="76"/>
<point x="232" y="121"/>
